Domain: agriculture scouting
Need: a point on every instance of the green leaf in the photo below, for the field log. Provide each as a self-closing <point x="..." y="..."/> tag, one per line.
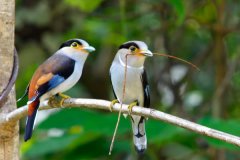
<point x="50" y="145"/>
<point x="84" y="5"/>
<point x="228" y="126"/>
<point x="99" y="149"/>
<point x="56" y="144"/>
<point x="160" y="132"/>
<point x="89" y="121"/>
<point x="180" y="10"/>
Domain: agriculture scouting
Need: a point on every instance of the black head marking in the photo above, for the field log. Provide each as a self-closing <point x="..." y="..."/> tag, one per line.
<point x="129" y="44"/>
<point x="69" y="42"/>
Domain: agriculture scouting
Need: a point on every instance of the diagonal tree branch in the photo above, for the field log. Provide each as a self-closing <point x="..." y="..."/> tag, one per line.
<point x="147" y="112"/>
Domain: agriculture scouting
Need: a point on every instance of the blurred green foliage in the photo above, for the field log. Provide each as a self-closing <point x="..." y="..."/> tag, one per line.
<point x="204" y="32"/>
<point x="84" y="5"/>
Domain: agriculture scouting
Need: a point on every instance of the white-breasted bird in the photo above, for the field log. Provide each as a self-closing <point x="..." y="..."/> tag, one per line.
<point x="57" y="74"/>
<point x="136" y="85"/>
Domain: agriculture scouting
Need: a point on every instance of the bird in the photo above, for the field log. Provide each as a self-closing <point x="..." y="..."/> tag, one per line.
<point x="57" y="74"/>
<point x="137" y="90"/>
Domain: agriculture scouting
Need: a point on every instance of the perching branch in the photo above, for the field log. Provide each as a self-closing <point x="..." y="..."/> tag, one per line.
<point x="147" y="112"/>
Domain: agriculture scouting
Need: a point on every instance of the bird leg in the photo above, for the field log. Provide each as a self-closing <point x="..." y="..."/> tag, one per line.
<point x="112" y="104"/>
<point x="130" y="106"/>
<point x="57" y="100"/>
<point x="62" y="97"/>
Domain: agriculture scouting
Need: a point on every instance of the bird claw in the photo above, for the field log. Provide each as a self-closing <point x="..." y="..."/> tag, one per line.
<point x="57" y="100"/>
<point x="63" y="96"/>
<point x="112" y="104"/>
<point x="53" y="102"/>
<point x="130" y="106"/>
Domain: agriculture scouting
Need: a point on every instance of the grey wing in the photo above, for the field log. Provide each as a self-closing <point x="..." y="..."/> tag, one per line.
<point x="146" y="89"/>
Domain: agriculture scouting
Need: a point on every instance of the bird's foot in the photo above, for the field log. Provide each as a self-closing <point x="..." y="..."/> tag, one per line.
<point x="53" y="101"/>
<point x="130" y="106"/>
<point x="62" y="97"/>
<point x="57" y="100"/>
<point x="112" y="104"/>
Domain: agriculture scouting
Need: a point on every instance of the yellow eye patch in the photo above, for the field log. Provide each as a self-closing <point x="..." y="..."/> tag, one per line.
<point x="133" y="49"/>
<point x="75" y="45"/>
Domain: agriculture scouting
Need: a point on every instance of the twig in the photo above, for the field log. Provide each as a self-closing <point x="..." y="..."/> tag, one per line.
<point x="121" y="103"/>
<point x="8" y="88"/>
<point x="141" y="111"/>
<point x="177" y="58"/>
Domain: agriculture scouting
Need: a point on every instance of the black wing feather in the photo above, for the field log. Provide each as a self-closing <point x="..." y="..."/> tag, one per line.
<point x="146" y="89"/>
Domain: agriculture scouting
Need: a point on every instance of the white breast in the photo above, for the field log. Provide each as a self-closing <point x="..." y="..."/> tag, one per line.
<point x="133" y="89"/>
<point x="68" y="83"/>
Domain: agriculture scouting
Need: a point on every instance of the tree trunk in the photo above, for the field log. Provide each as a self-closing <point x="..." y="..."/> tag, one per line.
<point x="9" y="133"/>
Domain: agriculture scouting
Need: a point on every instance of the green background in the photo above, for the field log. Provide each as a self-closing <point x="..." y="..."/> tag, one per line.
<point x="204" y="32"/>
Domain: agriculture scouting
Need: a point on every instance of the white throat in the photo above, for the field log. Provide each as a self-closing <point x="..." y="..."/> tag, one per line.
<point x="124" y="65"/>
<point x="78" y="56"/>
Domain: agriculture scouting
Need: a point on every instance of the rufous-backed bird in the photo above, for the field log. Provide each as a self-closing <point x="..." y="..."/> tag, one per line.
<point x="57" y="74"/>
<point x="136" y="85"/>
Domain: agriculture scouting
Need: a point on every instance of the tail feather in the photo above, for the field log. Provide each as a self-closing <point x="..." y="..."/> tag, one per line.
<point x="139" y="134"/>
<point x="32" y="111"/>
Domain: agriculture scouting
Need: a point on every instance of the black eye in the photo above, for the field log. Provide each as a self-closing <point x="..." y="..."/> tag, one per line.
<point x="74" y="44"/>
<point x="133" y="48"/>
